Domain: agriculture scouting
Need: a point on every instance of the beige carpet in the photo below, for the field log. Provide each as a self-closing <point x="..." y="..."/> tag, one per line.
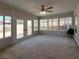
<point x="43" y="47"/>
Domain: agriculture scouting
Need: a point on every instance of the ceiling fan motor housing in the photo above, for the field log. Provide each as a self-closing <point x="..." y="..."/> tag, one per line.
<point x="43" y="8"/>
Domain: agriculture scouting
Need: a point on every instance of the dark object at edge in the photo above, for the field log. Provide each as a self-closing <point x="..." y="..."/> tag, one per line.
<point x="70" y="31"/>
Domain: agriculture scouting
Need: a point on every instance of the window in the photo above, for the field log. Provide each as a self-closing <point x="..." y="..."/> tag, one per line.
<point x="50" y="24"/>
<point x="20" y="27"/>
<point x="68" y="20"/>
<point x="55" y="24"/>
<point x="35" y="25"/>
<point x="7" y="26"/>
<point x="76" y="20"/>
<point x="1" y="26"/>
<point x="29" y="27"/>
<point x="62" y="23"/>
<point x="65" y="22"/>
<point x="43" y="24"/>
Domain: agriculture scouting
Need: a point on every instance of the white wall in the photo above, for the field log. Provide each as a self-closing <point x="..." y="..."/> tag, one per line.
<point x="7" y="10"/>
<point x="76" y="14"/>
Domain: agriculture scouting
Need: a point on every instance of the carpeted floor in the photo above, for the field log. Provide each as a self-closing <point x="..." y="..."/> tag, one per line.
<point x="43" y="47"/>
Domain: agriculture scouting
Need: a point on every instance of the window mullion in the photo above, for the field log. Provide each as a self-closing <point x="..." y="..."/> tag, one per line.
<point x="52" y="24"/>
<point x="3" y="26"/>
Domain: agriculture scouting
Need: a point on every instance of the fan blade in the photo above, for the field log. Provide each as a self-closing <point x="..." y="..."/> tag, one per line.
<point x="49" y="8"/>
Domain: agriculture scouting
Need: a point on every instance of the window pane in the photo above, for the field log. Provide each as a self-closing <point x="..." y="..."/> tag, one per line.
<point x="35" y="25"/>
<point x="45" y="24"/>
<point x="62" y="23"/>
<point x="20" y="27"/>
<point x="50" y="24"/>
<point x="55" y="24"/>
<point x="76" y="21"/>
<point x="68" y="20"/>
<point x="7" y="26"/>
<point x="41" y="24"/>
<point x="29" y="27"/>
<point x="1" y="26"/>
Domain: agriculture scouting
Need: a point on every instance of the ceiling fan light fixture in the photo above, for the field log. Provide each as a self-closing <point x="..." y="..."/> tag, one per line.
<point x="43" y="12"/>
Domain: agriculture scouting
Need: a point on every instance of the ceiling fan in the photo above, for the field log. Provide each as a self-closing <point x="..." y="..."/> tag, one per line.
<point x="44" y="9"/>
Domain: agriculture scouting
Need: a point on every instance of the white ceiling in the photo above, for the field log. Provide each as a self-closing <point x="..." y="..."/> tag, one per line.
<point x="32" y="6"/>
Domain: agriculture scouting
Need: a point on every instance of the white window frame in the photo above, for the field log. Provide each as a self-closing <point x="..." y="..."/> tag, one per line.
<point x="29" y="27"/>
<point x="35" y="25"/>
<point x="7" y="34"/>
<point x="4" y="32"/>
<point x="44" y="24"/>
<point x="19" y="31"/>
